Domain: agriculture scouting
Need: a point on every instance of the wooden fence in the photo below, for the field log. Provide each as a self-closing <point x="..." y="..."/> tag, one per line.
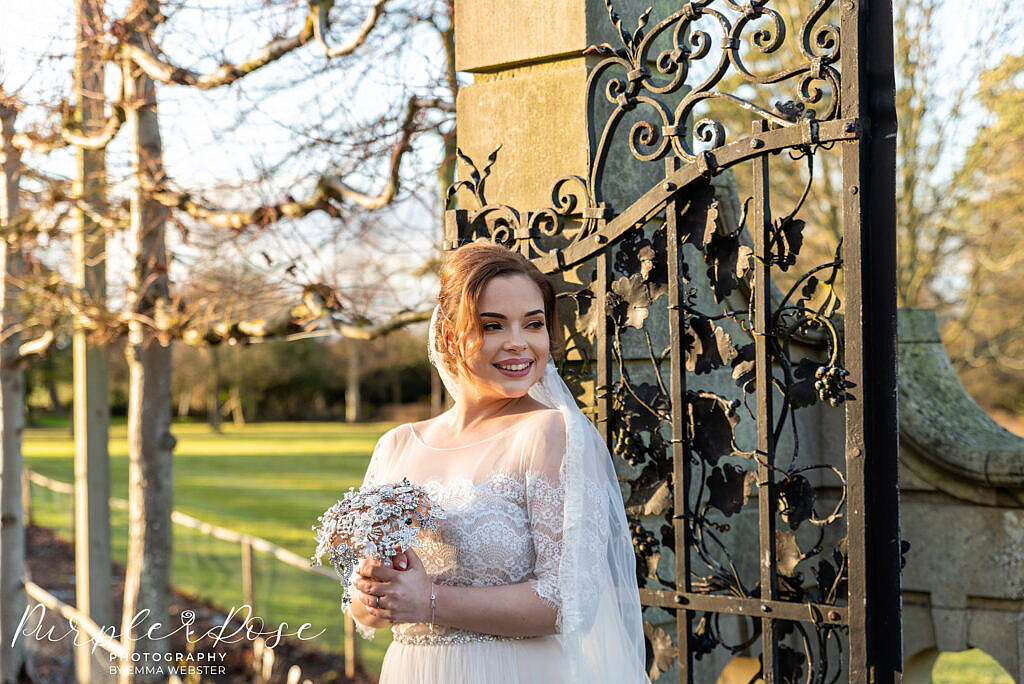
<point x="247" y="544"/>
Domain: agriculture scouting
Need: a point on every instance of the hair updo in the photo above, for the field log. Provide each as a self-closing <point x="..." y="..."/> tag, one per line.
<point x="463" y="278"/>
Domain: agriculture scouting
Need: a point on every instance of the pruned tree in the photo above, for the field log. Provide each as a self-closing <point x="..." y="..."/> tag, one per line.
<point x="151" y="444"/>
<point x="12" y="403"/>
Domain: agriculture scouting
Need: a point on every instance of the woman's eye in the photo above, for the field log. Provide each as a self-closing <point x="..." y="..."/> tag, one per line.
<point x="492" y="326"/>
<point x="536" y="325"/>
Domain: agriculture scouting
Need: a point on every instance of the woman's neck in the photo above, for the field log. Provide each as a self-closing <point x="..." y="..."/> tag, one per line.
<point x="470" y="413"/>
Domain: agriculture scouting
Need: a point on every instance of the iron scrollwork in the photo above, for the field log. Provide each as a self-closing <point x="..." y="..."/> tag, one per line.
<point x="796" y="625"/>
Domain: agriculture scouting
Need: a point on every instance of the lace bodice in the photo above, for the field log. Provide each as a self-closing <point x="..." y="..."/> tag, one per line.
<point x="503" y="503"/>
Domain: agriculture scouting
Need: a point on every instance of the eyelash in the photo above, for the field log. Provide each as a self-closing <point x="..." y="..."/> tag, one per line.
<point x="540" y="324"/>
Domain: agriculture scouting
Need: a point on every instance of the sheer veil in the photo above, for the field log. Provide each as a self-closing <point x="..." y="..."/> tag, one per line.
<point x="601" y="630"/>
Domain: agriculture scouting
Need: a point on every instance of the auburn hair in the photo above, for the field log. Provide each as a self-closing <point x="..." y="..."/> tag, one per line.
<point x="463" y="278"/>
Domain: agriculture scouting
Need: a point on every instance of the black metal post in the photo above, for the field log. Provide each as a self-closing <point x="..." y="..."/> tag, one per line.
<point x="872" y="426"/>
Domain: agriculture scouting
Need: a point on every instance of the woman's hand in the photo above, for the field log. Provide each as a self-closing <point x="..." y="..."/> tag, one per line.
<point x="404" y="594"/>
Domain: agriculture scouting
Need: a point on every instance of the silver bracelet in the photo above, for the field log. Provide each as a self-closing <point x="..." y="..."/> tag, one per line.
<point x="433" y="597"/>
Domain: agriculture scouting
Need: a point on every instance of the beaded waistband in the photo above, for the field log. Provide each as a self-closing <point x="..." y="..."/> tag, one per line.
<point x="457" y="637"/>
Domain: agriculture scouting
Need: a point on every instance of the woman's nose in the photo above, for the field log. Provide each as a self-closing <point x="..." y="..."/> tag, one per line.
<point x="516" y="339"/>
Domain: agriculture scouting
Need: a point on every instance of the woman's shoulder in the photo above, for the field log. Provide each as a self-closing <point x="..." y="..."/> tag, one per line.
<point x="393" y="438"/>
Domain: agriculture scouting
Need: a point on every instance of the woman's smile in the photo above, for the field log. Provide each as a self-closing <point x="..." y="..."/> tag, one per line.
<point x="514" y="368"/>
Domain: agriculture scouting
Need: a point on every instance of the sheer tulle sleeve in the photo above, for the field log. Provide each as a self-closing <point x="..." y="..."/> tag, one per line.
<point x="374" y="473"/>
<point x="545" y="501"/>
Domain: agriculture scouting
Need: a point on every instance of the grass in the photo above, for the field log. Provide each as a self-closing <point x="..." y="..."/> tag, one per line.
<point x="271" y="480"/>
<point x="969" y="667"/>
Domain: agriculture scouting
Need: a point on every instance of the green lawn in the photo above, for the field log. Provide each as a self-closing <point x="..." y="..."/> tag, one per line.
<point x="969" y="667"/>
<point x="271" y="480"/>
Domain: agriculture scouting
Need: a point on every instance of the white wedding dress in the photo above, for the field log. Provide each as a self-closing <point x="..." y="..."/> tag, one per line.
<point x="503" y="502"/>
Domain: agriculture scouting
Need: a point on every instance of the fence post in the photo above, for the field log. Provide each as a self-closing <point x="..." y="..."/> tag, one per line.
<point x="26" y="496"/>
<point x="248" y="586"/>
<point x="350" y="647"/>
<point x="257" y="660"/>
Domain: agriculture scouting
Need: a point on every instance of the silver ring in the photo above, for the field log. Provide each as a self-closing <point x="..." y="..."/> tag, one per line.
<point x="378" y="601"/>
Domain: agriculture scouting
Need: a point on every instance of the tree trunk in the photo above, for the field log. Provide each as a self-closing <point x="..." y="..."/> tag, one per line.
<point x="184" y="403"/>
<point x="91" y="400"/>
<point x="235" y="403"/>
<point x="150" y="443"/>
<point x="12" y="412"/>
<point x="214" y="403"/>
<point x="353" y="400"/>
<point x="439" y="400"/>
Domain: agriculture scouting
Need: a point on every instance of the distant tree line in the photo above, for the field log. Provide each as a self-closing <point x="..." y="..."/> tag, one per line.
<point x="275" y="380"/>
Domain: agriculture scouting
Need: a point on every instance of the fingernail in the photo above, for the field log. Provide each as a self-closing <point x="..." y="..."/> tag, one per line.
<point x="402" y="563"/>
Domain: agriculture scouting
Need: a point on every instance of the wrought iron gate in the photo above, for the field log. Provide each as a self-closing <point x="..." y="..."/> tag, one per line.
<point x="818" y="597"/>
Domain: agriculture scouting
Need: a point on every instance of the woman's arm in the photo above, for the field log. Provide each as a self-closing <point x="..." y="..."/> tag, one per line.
<point x="507" y="610"/>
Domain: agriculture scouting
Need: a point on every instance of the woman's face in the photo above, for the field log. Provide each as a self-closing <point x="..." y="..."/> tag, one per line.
<point x="515" y="345"/>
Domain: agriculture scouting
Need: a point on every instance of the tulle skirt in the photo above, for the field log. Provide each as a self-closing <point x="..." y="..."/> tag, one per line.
<point x="512" y="661"/>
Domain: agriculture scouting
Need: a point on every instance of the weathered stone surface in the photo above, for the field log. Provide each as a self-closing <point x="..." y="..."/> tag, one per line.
<point x="535" y="114"/>
<point x="942" y="423"/>
<point x="493" y="35"/>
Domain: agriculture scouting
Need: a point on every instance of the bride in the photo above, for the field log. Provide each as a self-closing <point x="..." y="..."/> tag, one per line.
<point x="531" y="575"/>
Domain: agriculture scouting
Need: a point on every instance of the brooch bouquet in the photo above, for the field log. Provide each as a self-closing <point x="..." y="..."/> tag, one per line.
<point x="373" y="522"/>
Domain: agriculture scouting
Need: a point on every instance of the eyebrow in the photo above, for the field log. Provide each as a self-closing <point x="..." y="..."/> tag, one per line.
<point x="504" y="317"/>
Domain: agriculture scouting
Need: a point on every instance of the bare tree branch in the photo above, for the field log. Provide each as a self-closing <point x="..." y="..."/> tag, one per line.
<point x="370" y="332"/>
<point x="329" y="189"/>
<point x="240" y="220"/>
<point x="165" y="72"/>
<point x="320" y="23"/>
<point x="340" y="190"/>
<point x="44" y="143"/>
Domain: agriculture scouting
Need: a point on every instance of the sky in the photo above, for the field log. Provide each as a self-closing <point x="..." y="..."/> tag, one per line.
<point x="208" y="147"/>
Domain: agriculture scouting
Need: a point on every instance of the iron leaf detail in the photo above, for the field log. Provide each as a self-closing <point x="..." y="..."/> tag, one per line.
<point x="708" y="346"/>
<point x="744" y="368"/>
<point x="702" y="640"/>
<point x="796" y="500"/>
<point x="477" y="180"/>
<point x="698" y="217"/>
<point x="631" y="303"/>
<point x="728" y="263"/>
<point x="791" y="665"/>
<point x="803" y="393"/>
<point x="646" y="257"/>
<point x="661" y="652"/>
<point x="712" y="424"/>
<point x="819" y="296"/>
<point x="729" y="488"/>
<point x="788" y="238"/>
<point x="787" y="553"/>
<point x="587" y="312"/>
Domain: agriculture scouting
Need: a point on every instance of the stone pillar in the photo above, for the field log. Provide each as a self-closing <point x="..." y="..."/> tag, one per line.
<point x="529" y="91"/>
